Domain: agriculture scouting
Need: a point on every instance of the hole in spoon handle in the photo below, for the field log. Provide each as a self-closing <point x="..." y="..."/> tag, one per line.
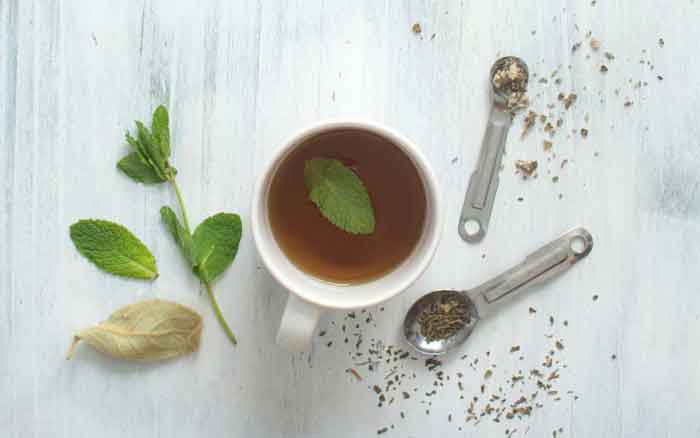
<point x="543" y="264"/>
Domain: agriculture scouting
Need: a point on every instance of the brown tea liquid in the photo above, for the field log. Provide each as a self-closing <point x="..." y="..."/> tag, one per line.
<point x="325" y="251"/>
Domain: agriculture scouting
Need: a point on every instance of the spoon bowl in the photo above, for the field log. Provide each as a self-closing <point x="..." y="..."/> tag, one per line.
<point x="499" y="94"/>
<point x="412" y="328"/>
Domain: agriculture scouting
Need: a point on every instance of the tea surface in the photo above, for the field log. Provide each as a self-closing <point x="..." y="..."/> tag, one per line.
<point x="323" y="250"/>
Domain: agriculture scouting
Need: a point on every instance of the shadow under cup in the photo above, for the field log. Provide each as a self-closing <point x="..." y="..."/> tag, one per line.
<point x="314" y="290"/>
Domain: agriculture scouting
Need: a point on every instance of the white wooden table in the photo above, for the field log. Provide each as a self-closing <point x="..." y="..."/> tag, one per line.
<point x="239" y="77"/>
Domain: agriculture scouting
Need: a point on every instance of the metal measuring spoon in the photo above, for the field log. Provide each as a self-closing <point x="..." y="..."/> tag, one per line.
<point x="478" y="202"/>
<point x="552" y="259"/>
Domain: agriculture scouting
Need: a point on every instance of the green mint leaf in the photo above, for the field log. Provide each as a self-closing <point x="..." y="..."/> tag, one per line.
<point x="161" y="130"/>
<point x="151" y="147"/>
<point x="137" y="169"/>
<point x="154" y="176"/>
<point x="180" y="234"/>
<point x="215" y="244"/>
<point x="113" y="248"/>
<point x="340" y="195"/>
<point x="141" y="151"/>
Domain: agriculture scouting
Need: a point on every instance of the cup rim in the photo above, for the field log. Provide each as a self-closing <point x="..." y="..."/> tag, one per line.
<point x="422" y="259"/>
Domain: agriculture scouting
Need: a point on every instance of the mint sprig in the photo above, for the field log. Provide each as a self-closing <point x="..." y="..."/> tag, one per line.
<point x="113" y="248"/>
<point x="214" y="244"/>
<point x="148" y="163"/>
<point x="340" y="195"/>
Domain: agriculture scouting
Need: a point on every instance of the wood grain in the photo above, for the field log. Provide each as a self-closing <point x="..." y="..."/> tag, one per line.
<point x="239" y="78"/>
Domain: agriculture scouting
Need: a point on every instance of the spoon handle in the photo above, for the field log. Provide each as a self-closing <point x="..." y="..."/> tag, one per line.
<point x="481" y="192"/>
<point x="541" y="265"/>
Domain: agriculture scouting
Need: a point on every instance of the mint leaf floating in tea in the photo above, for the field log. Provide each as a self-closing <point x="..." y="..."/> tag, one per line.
<point x="113" y="248"/>
<point x="340" y="195"/>
<point x="147" y="331"/>
<point x="210" y="251"/>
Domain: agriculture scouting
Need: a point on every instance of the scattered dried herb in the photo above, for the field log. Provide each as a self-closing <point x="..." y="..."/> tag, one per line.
<point x="528" y="123"/>
<point x="569" y="100"/>
<point x="355" y="374"/>
<point x="526" y="167"/>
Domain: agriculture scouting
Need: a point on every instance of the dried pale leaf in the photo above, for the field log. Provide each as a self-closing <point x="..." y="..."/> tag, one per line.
<point x="526" y="167"/>
<point x="147" y="331"/>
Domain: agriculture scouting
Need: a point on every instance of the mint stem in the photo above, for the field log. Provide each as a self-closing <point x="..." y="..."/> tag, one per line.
<point x="207" y="285"/>
<point x="218" y="313"/>
<point x="181" y="203"/>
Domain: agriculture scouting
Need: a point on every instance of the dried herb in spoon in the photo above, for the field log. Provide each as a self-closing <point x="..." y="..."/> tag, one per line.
<point x="444" y="318"/>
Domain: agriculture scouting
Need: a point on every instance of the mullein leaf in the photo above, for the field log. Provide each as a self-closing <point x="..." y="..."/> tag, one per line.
<point x="147" y="331"/>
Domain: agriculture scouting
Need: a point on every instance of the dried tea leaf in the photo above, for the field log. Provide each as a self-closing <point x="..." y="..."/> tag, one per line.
<point x="569" y="100"/>
<point x="528" y="123"/>
<point x="526" y="167"/>
<point x="147" y="331"/>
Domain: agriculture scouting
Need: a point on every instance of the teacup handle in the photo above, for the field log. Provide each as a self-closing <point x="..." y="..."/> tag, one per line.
<point x="299" y="321"/>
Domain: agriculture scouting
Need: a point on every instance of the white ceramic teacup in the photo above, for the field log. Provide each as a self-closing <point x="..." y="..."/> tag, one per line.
<point x="308" y="295"/>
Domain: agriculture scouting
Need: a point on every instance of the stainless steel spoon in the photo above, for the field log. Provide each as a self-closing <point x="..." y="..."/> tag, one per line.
<point x="481" y="192"/>
<point x="552" y="259"/>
